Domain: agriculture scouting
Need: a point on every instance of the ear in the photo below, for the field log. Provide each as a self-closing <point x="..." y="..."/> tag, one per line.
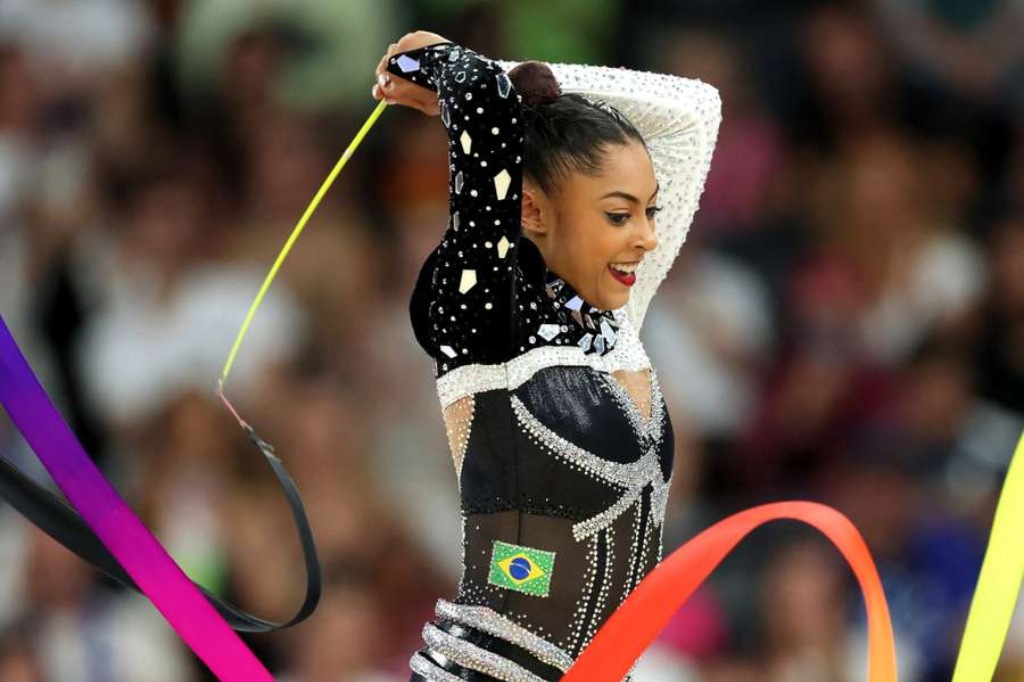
<point x="534" y="210"/>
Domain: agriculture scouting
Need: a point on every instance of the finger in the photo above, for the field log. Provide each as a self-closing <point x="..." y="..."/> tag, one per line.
<point x="382" y="65"/>
<point x="384" y="93"/>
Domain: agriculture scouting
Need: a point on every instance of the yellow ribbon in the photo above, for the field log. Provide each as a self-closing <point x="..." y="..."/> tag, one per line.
<point x="999" y="582"/>
<point x="294" y="237"/>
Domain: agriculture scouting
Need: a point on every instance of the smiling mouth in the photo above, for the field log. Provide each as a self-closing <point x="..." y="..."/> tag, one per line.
<point x="625" y="273"/>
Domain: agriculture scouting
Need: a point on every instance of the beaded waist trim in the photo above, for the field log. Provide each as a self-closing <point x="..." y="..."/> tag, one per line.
<point x="471" y="656"/>
<point x="493" y="623"/>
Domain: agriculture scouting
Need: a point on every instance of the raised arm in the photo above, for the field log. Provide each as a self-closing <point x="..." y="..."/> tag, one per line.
<point x="470" y="303"/>
<point x="679" y="119"/>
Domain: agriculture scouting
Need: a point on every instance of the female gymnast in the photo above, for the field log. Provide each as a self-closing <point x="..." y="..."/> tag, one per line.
<point x="531" y="308"/>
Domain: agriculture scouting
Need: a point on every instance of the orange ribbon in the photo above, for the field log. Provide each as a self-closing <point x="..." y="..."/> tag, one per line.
<point x="652" y="604"/>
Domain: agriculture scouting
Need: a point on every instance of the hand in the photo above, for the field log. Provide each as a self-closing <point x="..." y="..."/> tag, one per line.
<point x="401" y="90"/>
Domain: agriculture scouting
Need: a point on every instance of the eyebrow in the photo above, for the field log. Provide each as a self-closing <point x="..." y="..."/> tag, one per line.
<point x="629" y="197"/>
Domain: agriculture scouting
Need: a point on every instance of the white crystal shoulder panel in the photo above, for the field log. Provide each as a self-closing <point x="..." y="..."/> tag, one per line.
<point x="628" y="354"/>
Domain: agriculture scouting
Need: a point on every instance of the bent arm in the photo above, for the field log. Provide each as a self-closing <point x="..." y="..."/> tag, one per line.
<point x="472" y="286"/>
<point x="679" y="120"/>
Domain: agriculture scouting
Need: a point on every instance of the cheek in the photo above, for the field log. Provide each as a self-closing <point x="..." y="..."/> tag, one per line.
<point x="590" y="245"/>
<point x="609" y="243"/>
<point x="600" y="248"/>
<point x="577" y="242"/>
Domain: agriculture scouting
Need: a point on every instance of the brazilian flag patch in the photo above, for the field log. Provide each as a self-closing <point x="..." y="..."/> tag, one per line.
<point x="522" y="569"/>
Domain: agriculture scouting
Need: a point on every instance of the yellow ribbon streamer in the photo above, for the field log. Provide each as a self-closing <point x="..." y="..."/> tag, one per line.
<point x="999" y="583"/>
<point x="294" y="237"/>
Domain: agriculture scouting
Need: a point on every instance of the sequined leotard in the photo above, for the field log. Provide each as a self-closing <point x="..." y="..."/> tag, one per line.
<point x="561" y="440"/>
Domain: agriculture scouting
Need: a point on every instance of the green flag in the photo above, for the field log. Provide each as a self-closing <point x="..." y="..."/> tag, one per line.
<point x="522" y="569"/>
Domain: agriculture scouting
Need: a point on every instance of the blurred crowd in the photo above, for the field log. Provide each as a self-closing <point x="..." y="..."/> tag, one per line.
<point x="845" y="323"/>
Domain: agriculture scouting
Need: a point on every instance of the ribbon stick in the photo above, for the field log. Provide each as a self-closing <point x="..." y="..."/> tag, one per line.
<point x="142" y="557"/>
<point x="296" y="233"/>
<point x="652" y="604"/>
<point x="999" y="583"/>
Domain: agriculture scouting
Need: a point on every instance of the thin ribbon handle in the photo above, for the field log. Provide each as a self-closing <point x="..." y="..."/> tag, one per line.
<point x="296" y="233"/>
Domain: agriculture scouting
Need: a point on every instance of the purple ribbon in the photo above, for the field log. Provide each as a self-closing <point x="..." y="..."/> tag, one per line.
<point x="142" y="557"/>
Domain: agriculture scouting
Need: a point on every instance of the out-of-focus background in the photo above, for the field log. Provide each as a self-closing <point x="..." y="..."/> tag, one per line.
<point x="845" y="323"/>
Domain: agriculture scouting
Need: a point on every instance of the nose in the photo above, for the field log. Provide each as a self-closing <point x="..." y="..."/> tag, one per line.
<point x="645" y="237"/>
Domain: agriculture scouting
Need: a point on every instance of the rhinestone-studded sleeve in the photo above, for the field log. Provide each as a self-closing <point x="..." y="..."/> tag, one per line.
<point x="678" y="118"/>
<point x="471" y="286"/>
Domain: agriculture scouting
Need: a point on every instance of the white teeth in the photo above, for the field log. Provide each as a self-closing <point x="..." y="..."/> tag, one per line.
<point x="624" y="269"/>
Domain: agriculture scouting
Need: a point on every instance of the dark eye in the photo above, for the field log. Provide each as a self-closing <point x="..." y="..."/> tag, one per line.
<point x="653" y="211"/>
<point x="618" y="218"/>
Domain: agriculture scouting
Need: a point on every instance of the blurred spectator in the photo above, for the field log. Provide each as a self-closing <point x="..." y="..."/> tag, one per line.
<point x="805" y="578"/>
<point x="83" y="635"/>
<point x="329" y="50"/>
<point x="1000" y="360"/>
<point x="853" y="87"/>
<point x="968" y="47"/>
<point x="907" y="272"/>
<point x="19" y="111"/>
<point x="743" y="182"/>
<point x="709" y="334"/>
<point x="1013" y="661"/>
<point x="337" y="267"/>
<point x="801" y="579"/>
<point x="72" y="41"/>
<point x="164" y="301"/>
<point x="17" y="660"/>
<point x="346" y="644"/>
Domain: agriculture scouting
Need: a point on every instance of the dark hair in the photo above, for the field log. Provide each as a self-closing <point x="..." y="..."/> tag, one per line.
<point x="564" y="132"/>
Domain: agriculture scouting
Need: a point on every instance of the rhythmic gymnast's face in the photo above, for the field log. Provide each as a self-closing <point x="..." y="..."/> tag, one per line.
<point x="595" y="229"/>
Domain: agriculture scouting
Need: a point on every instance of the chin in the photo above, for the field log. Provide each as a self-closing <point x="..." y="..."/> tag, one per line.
<point x="613" y="302"/>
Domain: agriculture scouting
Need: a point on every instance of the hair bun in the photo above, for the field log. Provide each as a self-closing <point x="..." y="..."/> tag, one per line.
<point x="535" y="83"/>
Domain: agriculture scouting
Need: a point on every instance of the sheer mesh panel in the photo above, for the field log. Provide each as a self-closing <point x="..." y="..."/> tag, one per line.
<point x="458" y="421"/>
<point x="589" y="579"/>
<point x="638" y="386"/>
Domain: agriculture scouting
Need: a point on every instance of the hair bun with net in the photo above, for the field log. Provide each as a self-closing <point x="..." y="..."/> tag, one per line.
<point x="535" y="83"/>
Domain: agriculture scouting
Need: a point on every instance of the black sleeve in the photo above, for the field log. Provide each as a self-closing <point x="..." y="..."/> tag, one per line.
<point x="471" y="286"/>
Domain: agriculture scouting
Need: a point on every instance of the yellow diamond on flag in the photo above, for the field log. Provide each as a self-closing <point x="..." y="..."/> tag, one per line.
<point x="520" y="569"/>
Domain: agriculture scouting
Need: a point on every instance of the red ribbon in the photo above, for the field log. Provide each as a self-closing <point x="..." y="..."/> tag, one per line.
<point x="632" y="628"/>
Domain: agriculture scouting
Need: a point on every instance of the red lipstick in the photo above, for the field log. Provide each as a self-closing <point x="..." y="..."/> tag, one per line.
<point x="629" y="280"/>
